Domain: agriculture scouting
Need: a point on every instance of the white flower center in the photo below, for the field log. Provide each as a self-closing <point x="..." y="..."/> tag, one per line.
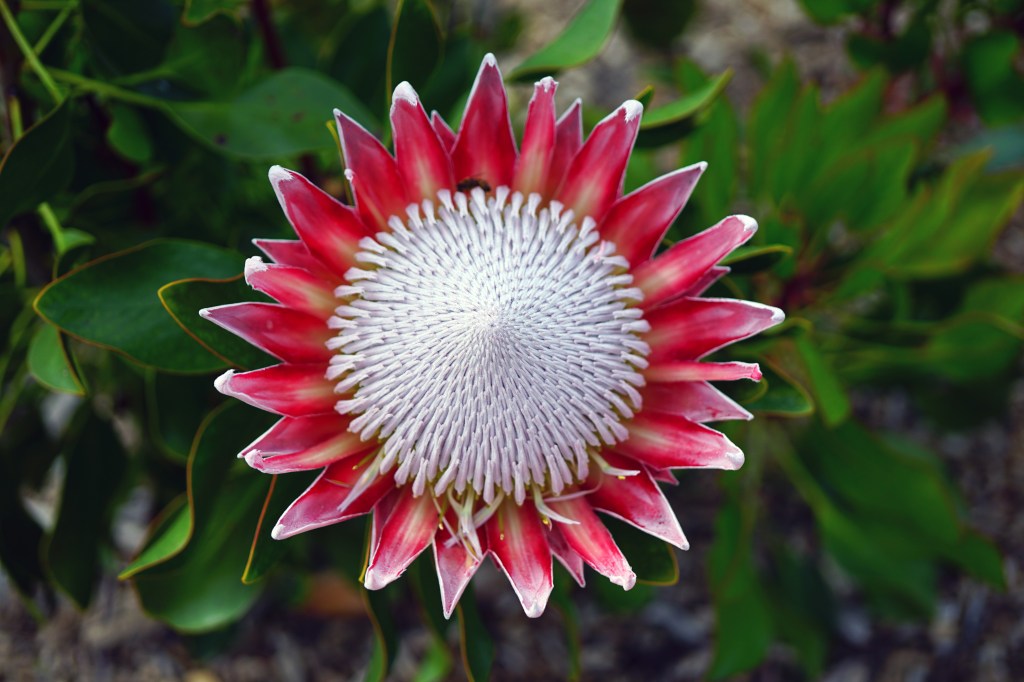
<point x="490" y="345"/>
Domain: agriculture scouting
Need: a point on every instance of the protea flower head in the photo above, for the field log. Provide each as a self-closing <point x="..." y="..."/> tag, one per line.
<point x="484" y="351"/>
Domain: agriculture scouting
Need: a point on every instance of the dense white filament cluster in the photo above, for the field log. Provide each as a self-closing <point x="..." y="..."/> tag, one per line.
<point x="492" y="346"/>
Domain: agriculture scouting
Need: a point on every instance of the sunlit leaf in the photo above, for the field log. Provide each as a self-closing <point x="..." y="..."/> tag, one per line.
<point x="669" y="122"/>
<point x="50" y="364"/>
<point x="580" y="42"/>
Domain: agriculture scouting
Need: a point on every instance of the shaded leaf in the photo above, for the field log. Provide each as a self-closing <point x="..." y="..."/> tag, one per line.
<point x="96" y="466"/>
<point x="829" y="394"/>
<point x="416" y="44"/>
<point x="199" y="11"/>
<point x="112" y="302"/>
<point x="653" y="560"/>
<point x="671" y="121"/>
<point x="199" y="588"/>
<point x="129" y="35"/>
<point x="280" y="116"/>
<point x="38" y="165"/>
<point x="265" y="551"/>
<point x="184" y="298"/>
<point x="756" y="258"/>
<point x="474" y="640"/>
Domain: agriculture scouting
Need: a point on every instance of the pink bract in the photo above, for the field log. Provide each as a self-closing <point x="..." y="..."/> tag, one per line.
<point x="486" y="350"/>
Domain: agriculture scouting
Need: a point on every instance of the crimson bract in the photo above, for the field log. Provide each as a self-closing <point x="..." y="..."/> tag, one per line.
<point x="485" y="351"/>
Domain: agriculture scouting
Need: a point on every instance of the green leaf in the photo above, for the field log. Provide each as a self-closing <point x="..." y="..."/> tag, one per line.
<point x="581" y="41"/>
<point x="653" y="560"/>
<point x="199" y="11"/>
<point x="129" y="35"/>
<point x="784" y="397"/>
<point x="184" y="298"/>
<point x="756" y="258"/>
<point x="199" y="588"/>
<point x="674" y="120"/>
<point x="769" y="118"/>
<point x="474" y="640"/>
<point x="177" y="405"/>
<point x="436" y="665"/>
<point x="997" y="87"/>
<point x="112" y="302"/>
<point x="829" y="394"/>
<point x="127" y="134"/>
<point x="385" y="641"/>
<point x="38" y="165"/>
<point x="169" y="535"/>
<point x="280" y="116"/>
<point x="49" y="363"/>
<point x="265" y="551"/>
<point x="96" y="466"/>
<point x="416" y="44"/>
<point x="744" y="623"/>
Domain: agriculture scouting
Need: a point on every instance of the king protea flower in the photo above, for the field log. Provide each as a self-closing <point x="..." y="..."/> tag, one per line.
<point x="484" y="351"/>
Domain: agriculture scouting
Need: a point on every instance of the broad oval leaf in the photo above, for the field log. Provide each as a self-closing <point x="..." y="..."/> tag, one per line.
<point x="278" y="117"/>
<point x="582" y="40"/>
<point x="112" y="302"/>
<point x="184" y="299"/>
<point x="674" y="120"/>
<point x="38" y="165"/>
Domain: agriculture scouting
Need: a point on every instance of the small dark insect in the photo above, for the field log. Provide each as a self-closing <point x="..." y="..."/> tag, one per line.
<point x="469" y="183"/>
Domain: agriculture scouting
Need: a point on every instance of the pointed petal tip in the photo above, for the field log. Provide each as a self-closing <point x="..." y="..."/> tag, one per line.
<point x="253" y="264"/>
<point x="632" y="109"/>
<point x="221" y="382"/>
<point x="733" y="458"/>
<point x="404" y="92"/>
<point x="749" y="224"/>
<point x="489" y="60"/>
<point x="278" y="174"/>
<point x="376" y="580"/>
<point x="279" y="532"/>
<point x="546" y="83"/>
<point x="626" y="581"/>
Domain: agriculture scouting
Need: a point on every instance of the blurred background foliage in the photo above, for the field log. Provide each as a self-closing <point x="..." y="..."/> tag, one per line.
<point x="136" y="137"/>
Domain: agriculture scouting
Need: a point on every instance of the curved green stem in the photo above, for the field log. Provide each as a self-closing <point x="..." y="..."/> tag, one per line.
<point x="30" y="55"/>
<point x="106" y="89"/>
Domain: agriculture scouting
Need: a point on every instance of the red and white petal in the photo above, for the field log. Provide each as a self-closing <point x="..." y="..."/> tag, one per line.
<point x="294" y="287"/>
<point x="301" y="444"/>
<point x="422" y="160"/>
<point x="444" y="132"/>
<point x="670" y="442"/>
<point x="589" y="538"/>
<point x="287" y="334"/>
<point x="293" y="252"/>
<point x="593" y="181"/>
<point x="698" y="401"/>
<point x="679" y="269"/>
<point x="287" y="389"/>
<point x="538" y="140"/>
<point x="675" y="371"/>
<point x="638" y="221"/>
<point x="330" y="230"/>
<point x="327" y="501"/>
<point x="485" y="148"/>
<point x="408" y="531"/>
<point x="568" y="140"/>
<point x="376" y="184"/>
<point x="518" y="542"/>
<point x="690" y="328"/>
<point x="566" y="555"/>
<point x="637" y="500"/>
<point x="455" y="567"/>
<point x="710" y="277"/>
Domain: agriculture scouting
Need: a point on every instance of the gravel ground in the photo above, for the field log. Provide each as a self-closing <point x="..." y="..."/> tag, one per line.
<point x="976" y="634"/>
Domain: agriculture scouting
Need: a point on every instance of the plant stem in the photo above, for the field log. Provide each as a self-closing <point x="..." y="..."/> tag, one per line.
<point x="52" y="29"/>
<point x="43" y="5"/>
<point x="53" y="225"/>
<point x="30" y="56"/>
<point x="106" y="89"/>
